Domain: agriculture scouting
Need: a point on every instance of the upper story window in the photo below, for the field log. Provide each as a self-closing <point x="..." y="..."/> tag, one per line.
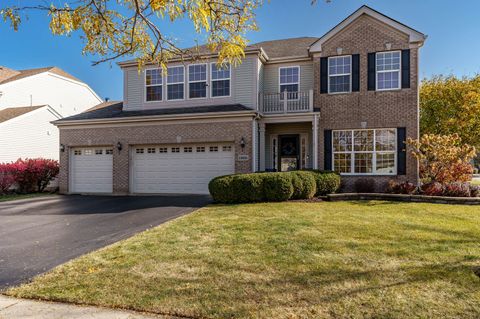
<point x="197" y="81"/>
<point x="289" y="79"/>
<point x="365" y="151"/>
<point x="220" y="80"/>
<point x="388" y="70"/>
<point x="175" y="83"/>
<point x="339" y="74"/>
<point x="153" y="84"/>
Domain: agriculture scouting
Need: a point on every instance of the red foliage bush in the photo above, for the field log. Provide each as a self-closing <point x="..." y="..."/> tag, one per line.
<point x="34" y="174"/>
<point x="432" y="189"/>
<point x="6" y="178"/>
<point x="457" y="189"/>
<point x="401" y="188"/>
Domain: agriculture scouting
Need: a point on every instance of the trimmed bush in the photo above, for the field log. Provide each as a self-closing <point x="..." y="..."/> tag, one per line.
<point x="432" y="189"/>
<point x="221" y="189"/>
<point x="278" y="187"/>
<point x="248" y="188"/>
<point x="304" y="185"/>
<point x="327" y="182"/>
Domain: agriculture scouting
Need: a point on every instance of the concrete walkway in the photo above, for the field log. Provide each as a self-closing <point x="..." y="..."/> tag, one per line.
<point x="11" y="308"/>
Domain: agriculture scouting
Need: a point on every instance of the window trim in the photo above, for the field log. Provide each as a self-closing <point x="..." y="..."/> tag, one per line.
<point x="328" y="74"/>
<point x="212" y="80"/>
<point x="206" y="82"/>
<point x="399" y="72"/>
<point x="183" y="82"/>
<point x="374" y="153"/>
<point x="145" y="85"/>
<point x="280" y="84"/>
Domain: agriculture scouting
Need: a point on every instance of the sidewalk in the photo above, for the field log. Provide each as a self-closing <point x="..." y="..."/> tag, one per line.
<point x="11" y="308"/>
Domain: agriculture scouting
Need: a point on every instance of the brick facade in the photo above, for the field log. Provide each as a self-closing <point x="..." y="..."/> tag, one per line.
<point x="387" y="109"/>
<point x="164" y="133"/>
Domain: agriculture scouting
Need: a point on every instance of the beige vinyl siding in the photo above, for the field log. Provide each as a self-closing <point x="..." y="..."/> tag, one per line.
<point x="271" y="81"/>
<point x="243" y="88"/>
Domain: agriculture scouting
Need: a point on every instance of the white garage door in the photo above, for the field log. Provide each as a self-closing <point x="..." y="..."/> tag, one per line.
<point x="91" y="170"/>
<point x="183" y="169"/>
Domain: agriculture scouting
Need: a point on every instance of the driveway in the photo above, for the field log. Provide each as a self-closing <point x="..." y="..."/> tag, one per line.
<point x="39" y="234"/>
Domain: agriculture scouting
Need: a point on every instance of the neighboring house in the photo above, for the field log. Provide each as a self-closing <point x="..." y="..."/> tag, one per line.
<point x="29" y="101"/>
<point x="346" y="101"/>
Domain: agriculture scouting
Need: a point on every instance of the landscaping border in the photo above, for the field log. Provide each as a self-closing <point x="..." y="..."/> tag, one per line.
<point x="403" y="198"/>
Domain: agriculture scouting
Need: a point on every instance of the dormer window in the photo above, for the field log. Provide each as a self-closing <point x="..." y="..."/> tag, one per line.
<point x="175" y="83"/>
<point x="340" y="74"/>
<point x="388" y="68"/>
<point x="153" y="85"/>
<point x="220" y="80"/>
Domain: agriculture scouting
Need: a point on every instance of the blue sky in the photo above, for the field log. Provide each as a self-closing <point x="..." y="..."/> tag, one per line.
<point x="452" y="27"/>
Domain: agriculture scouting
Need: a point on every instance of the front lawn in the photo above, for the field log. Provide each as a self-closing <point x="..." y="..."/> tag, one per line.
<point x="6" y="198"/>
<point x="287" y="260"/>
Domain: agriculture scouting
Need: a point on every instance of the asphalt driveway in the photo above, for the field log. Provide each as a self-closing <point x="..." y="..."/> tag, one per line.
<point x="39" y="234"/>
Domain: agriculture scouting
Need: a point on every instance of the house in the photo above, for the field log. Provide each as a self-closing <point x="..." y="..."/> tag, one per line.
<point x="346" y="101"/>
<point x="29" y="101"/>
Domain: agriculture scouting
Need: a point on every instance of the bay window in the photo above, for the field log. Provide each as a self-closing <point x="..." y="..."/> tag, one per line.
<point x="153" y="85"/>
<point x="370" y="152"/>
<point x="388" y="70"/>
<point x="339" y="74"/>
<point x="220" y="80"/>
<point x="175" y="83"/>
<point x="197" y="81"/>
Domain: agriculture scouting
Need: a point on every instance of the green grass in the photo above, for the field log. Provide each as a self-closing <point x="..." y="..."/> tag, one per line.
<point x="287" y="260"/>
<point x="6" y="198"/>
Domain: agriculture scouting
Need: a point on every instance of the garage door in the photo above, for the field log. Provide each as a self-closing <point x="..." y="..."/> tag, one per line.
<point x="179" y="168"/>
<point x="91" y="170"/>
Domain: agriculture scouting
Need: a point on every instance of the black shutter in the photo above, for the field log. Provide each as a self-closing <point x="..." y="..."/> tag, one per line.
<point x="323" y="75"/>
<point x="328" y="149"/>
<point x="371" y="72"/>
<point x="355" y="72"/>
<point x="401" y="151"/>
<point x="405" y="69"/>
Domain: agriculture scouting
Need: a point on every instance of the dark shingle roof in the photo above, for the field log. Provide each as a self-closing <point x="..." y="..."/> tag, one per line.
<point x="108" y="110"/>
<point x="13" y="112"/>
<point x="26" y="73"/>
<point x="283" y="48"/>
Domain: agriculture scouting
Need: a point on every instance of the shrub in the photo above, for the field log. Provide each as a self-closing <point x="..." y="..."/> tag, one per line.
<point x="457" y="189"/>
<point x="474" y="190"/>
<point x="304" y="185"/>
<point x="6" y="178"/>
<point x="401" y="188"/>
<point x="278" y="187"/>
<point x="247" y="188"/>
<point x="221" y="189"/>
<point x="432" y="189"/>
<point x="364" y="185"/>
<point x="34" y="174"/>
<point x="327" y="182"/>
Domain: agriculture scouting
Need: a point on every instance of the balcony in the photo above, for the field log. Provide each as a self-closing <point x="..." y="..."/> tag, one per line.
<point x="286" y="102"/>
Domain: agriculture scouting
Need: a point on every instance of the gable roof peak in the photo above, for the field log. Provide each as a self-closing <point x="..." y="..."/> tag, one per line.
<point x="414" y="35"/>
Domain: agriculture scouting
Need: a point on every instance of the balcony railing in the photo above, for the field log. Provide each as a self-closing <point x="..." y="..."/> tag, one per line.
<point x="286" y="102"/>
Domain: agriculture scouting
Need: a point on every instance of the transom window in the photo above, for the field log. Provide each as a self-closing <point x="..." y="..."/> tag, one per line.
<point x="339" y="74"/>
<point x="175" y="83"/>
<point x="365" y="151"/>
<point x="153" y="84"/>
<point x="289" y="81"/>
<point x="220" y="80"/>
<point x="388" y="70"/>
<point x="197" y="81"/>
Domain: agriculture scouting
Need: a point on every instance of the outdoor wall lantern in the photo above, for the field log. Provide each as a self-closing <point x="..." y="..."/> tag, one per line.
<point x="62" y="148"/>
<point x="119" y="146"/>
<point x="242" y="142"/>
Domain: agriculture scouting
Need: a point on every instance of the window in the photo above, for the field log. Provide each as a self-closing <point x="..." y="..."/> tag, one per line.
<point x="339" y="74"/>
<point x="175" y="149"/>
<point x="151" y="150"/>
<point x="77" y="152"/>
<point x="388" y="70"/>
<point x="153" y="84"/>
<point x="187" y="150"/>
<point x="88" y="152"/>
<point x="175" y="82"/>
<point x="98" y="152"/>
<point x="289" y="81"/>
<point x="108" y="152"/>
<point x="197" y="81"/>
<point x="220" y="80"/>
<point x="139" y="151"/>
<point x="200" y="149"/>
<point x="227" y="148"/>
<point x="213" y="148"/>
<point x="162" y="150"/>
<point x="365" y="151"/>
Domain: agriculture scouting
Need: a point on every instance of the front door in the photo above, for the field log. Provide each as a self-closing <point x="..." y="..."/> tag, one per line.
<point x="289" y="153"/>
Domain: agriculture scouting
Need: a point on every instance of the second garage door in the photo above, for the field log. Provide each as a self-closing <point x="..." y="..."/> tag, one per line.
<point x="91" y="170"/>
<point x="183" y="169"/>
